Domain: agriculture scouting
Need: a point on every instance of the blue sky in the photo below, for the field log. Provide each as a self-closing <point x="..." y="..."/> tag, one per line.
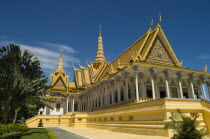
<point x="45" y="26"/>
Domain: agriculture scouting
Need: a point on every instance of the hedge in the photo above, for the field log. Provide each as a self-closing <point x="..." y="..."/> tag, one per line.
<point x="14" y="135"/>
<point x="50" y="134"/>
<point x="9" y="128"/>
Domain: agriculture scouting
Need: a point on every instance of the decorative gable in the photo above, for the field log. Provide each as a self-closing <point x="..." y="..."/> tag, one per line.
<point x="59" y="84"/>
<point x="159" y="55"/>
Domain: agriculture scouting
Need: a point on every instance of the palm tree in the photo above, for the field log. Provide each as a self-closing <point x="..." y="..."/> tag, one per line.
<point x="185" y="127"/>
<point x="21" y="79"/>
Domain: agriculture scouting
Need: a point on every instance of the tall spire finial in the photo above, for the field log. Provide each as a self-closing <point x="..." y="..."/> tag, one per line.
<point x="160" y="19"/>
<point x="60" y="63"/>
<point x="99" y="33"/>
<point x="151" y="24"/>
<point x="100" y="58"/>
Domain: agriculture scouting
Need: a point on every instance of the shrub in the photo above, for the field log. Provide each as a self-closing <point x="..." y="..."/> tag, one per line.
<point x="12" y="128"/>
<point x="50" y="134"/>
<point x="185" y="127"/>
<point x="14" y="135"/>
<point x="40" y="123"/>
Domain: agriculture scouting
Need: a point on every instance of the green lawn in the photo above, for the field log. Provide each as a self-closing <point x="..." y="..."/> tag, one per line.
<point x="37" y="133"/>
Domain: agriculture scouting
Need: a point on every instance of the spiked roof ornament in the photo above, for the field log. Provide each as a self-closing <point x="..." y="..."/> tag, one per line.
<point x="60" y="64"/>
<point x="100" y="51"/>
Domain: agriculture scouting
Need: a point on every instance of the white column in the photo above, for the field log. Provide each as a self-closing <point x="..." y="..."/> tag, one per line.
<point x="202" y="79"/>
<point x="112" y="90"/>
<point x="67" y="103"/>
<point x="118" y="90"/>
<point x="167" y="89"/>
<point x="203" y="90"/>
<point x="126" y="88"/>
<point x="125" y="74"/>
<point x="107" y="99"/>
<point x="167" y="73"/>
<point x="180" y="89"/>
<point x="72" y="110"/>
<point x="153" y="76"/>
<point x="137" y="85"/>
<point x="179" y="76"/>
<point x="208" y="85"/>
<point x="153" y="88"/>
<point x="191" y="77"/>
<point x="192" y="89"/>
<point x="45" y="111"/>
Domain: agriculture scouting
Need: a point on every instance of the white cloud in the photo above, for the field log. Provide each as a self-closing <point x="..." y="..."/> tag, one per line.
<point x="61" y="46"/>
<point x="48" y="57"/>
<point x="204" y="56"/>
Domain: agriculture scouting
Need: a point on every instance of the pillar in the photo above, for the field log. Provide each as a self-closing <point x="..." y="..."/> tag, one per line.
<point x="202" y="79"/>
<point x="153" y="76"/>
<point x="167" y="73"/>
<point x="106" y="89"/>
<point x="72" y="110"/>
<point x="118" y="79"/>
<point x="208" y="85"/>
<point x="179" y="75"/>
<point x="67" y="103"/>
<point x="135" y="69"/>
<point x="191" y="78"/>
<point x="125" y="74"/>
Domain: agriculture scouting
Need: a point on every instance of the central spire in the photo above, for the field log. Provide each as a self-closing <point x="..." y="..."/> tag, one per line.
<point x="60" y="64"/>
<point x="100" y="58"/>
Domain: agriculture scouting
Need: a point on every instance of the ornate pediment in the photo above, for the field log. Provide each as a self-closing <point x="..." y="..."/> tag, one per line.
<point x="59" y="84"/>
<point x="159" y="55"/>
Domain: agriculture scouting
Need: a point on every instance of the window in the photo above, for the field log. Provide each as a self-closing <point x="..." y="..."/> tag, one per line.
<point x="58" y="107"/>
<point x="120" y="118"/>
<point x="105" y="119"/>
<point x="116" y="99"/>
<point x="130" y="118"/>
<point x="129" y="92"/>
<point x="47" y="119"/>
<point x="162" y="90"/>
<point x="185" y="92"/>
<point x="122" y="94"/>
<point x="149" y="91"/>
<point x="174" y="92"/>
<point x="196" y="93"/>
<point x="112" y="118"/>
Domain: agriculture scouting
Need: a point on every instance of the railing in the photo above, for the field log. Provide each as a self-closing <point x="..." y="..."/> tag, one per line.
<point x="121" y="103"/>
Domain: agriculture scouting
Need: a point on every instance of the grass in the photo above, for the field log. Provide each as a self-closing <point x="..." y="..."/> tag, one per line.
<point x="37" y="133"/>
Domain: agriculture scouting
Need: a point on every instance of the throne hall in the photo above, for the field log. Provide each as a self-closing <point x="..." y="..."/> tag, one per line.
<point x="135" y="93"/>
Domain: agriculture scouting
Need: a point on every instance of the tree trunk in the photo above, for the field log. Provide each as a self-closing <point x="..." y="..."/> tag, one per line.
<point x="16" y="112"/>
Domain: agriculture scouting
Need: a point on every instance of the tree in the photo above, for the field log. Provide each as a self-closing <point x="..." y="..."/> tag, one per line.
<point x="40" y="123"/>
<point x="21" y="81"/>
<point x="185" y="127"/>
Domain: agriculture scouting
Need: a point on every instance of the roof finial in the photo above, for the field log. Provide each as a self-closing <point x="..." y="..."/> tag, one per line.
<point x="160" y="19"/>
<point x="60" y="63"/>
<point x="99" y="33"/>
<point x="151" y="24"/>
<point x="206" y="68"/>
<point x="100" y="58"/>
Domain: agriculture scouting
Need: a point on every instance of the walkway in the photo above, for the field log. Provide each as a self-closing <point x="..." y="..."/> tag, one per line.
<point x="63" y="134"/>
<point x="95" y="133"/>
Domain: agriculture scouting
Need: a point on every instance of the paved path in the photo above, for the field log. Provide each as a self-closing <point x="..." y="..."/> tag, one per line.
<point x="96" y="133"/>
<point x="63" y="134"/>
